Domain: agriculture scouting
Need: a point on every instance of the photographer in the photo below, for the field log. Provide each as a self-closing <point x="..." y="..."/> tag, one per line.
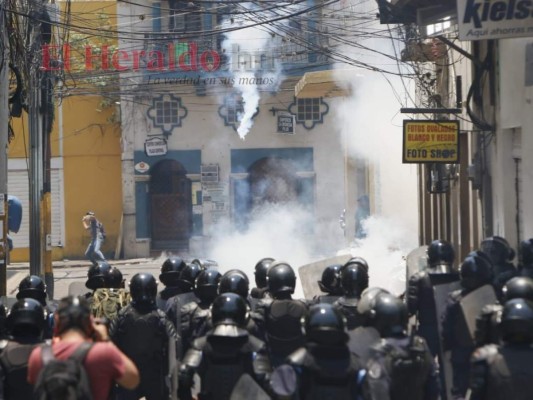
<point x="96" y="228"/>
<point x="105" y="363"/>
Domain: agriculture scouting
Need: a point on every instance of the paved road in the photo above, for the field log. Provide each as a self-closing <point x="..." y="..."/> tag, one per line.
<point x="74" y="272"/>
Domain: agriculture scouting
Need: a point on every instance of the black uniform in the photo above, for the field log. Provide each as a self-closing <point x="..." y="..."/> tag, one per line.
<point x="501" y="372"/>
<point x="225" y="354"/>
<point x="401" y="368"/>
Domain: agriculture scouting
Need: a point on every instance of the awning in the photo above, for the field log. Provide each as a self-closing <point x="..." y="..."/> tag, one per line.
<point x="330" y="83"/>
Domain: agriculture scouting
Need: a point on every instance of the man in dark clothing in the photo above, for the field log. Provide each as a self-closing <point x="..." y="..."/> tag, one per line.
<point x="26" y="323"/>
<point x="194" y="316"/>
<point x="501" y="372"/>
<point x="260" y="273"/>
<point x="324" y="368"/>
<point x="525" y="253"/>
<point x="146" y="335"/>
<point x="330" y="284"/>
<point x="33" y="287"/>
<point x="278" y="319"/>
<point x="399" y="366"/>
<point x="225" y="354"/>
<point x="476" y="271"/>
<point x="353" y="280"/>
<point x="501" y="254"/>
<point x="169" y="276"/>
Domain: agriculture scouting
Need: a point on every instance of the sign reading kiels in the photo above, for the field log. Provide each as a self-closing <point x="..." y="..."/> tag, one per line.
<point x="489" y="19"/>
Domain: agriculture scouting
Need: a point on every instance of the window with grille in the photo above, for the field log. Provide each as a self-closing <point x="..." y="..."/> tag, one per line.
<point x="308" y="110"/>
<point x="234" y="110"/>
<point x="167" y="112"/>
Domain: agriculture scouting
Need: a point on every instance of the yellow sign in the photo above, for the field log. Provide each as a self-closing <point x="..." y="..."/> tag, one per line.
<point x="430" y="141"/>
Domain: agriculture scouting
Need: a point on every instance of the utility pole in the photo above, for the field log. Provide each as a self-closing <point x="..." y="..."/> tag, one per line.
<point x="36" y="144"/>
<point x="4" y="118"/>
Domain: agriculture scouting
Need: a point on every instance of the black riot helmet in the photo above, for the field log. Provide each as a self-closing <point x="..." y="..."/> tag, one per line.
<point x="234" y="281"/>
<point x="73" y="312"/>
<point x="440" y="252"/>
<point x="170" y="270"/>
<point x="367" y="301"/>
<point x="526" y="252"/>
<point x="519" y="287"/>
<point x="260" y="272"/>
<point x="498" y="249"/>
<point x="476" y="270"/>
<point x="358" y="260"/>
<point x="354" y="279"/>
<point x="330" y="282"/>
<point x="206" y="285"/>
<point x="188" y="275"/>
<point x="517" y="321"/>
<point x="229" y="315"/>
<point x="325" y="324"/>
<point x="115" y="279"/>
<point x="143" y="289"/>
<point x="32" y="287"/>
<point x="98" y="275"/>
<point x="26" y="318"/>
<point x="389" y="316"/>
<point x="281" y="279"/>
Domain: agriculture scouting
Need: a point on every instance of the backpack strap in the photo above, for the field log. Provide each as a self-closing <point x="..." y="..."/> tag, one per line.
<point x="81" y="352"/>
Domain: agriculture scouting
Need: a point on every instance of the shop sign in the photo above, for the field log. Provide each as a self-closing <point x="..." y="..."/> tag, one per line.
<point x="430" y="141"/>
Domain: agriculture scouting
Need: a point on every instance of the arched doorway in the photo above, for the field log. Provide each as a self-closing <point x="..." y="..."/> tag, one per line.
<point x="271" y="180"/>
<point x="170" y="206"/>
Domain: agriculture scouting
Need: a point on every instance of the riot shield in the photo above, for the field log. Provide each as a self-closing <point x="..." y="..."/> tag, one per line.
<point x="443" y="285"/>
<point x="416" y="261"/>
<point x="8" y="301"/>
<point x="361" y="340"/>
<point x="311" y="273"/>
<point x="247" y="388"/>
<point x="172" y="376"/>
<point x="471" y="306"/>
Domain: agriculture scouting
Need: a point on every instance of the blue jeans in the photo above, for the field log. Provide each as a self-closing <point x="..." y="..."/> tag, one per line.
<point x="93" y="252"/>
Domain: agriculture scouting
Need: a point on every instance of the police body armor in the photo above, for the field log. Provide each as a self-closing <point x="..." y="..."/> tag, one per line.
<point x="487" y="329"/>
<point x="326" y="373"/>
<point x="283" y="331"/>
<point x="221" y="361"/>
<point x="399" y="368"/>
<point x="144" y="337"/>
<point x="14" y="360"/>
<point x="165" y="294"/>
<point x="327" y="298"/>
<point x="502" y="373"/>
<point x="348" y="306"/>
<point x="173" y="307"/>
<point x="194" y="323"/>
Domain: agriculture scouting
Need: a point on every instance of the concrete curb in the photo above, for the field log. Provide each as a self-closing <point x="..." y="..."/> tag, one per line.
<point x="81" y="263"/>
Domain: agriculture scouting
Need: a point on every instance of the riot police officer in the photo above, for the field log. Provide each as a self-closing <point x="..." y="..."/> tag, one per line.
<point x="525" y="252"/>
<point x="169" y="277"/>
<point x="501" y="372"/>
<point x="399" y="366"/>
<point x="487" y="323"/>
<point x="324" y="367"/>
<point x="33" y="287"/>
<point x="501" y="254"/>
<point x="330" y="284"/>
<point x="225" y="354"/>
<point x="194" y="316"/>
<point x="26" y="323"/>
<point x="476" y="271"/>
<point x="278" y="319"/>
<point x="260" y="274"/>
<point x="148" y="338"/>
<point x="353" y="280"/>
<point x="187" y="277"/>
<point x="420" y="292"/>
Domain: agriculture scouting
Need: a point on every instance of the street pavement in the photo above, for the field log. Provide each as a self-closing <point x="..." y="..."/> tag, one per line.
<point x="73" y="273"/>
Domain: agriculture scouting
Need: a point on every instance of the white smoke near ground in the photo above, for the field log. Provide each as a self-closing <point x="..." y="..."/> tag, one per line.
<point x="371" y="125"/>
<point x="277" y="231"/>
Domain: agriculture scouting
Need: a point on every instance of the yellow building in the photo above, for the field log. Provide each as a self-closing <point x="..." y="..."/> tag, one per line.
<point x="85" y="158"/>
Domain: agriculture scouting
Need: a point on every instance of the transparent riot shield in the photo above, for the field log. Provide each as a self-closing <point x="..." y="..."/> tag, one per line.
<point x="361" y="341"/>
<point x="416" y="261"/>
<point x="311" y="273"/>
<point x="443" y="285"/>
<point x="247" y="388"/>
<point x="471" y="306"/>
